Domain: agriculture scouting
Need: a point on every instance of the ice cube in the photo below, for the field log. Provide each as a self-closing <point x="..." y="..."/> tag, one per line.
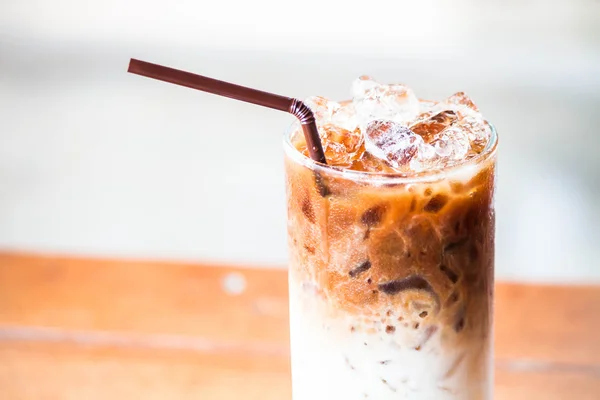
<point x="345" y="116"/>
<point x="362" y="85"/>
<point x="455" y="130"/>
<point x="401" y="100"/>
<point x="369" y="163"/>
<point x="394" y="102"/>
<point x="452" y="143"/>
<point x="322" y="108"/>
<point x="342" y="146"/>
<point x="392" y="142"/>
<point x="340" y="136"/>
<point x="477" y="130"/>
<point x="386" y="129"/>
<point x="461" y="99"/>
<point x="425" y="158"/>
<point x="428" y="127"/>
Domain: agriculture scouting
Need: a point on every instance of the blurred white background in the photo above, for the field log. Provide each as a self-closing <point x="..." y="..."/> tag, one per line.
<point x="96" y="161"/>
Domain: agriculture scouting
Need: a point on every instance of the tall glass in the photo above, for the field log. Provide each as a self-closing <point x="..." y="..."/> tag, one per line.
<point x="391" y="281"/>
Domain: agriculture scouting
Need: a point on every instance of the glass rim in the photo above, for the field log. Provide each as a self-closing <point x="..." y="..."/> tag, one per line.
<point x="390" y="178"/>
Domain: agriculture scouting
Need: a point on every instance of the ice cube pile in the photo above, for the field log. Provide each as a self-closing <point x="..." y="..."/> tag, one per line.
<point x="386" y="128"/>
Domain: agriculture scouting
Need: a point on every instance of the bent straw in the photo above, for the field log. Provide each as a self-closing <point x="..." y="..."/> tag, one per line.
<point x="226" y="89"/>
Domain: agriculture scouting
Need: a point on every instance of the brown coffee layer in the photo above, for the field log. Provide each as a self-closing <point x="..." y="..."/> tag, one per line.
<point x="372" y="249"/>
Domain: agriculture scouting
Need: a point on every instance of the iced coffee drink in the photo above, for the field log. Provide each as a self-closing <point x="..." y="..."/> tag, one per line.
<point x="392" y="248"/>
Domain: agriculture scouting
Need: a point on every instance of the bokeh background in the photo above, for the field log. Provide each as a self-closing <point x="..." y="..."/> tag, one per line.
<point x="98" y="162"/>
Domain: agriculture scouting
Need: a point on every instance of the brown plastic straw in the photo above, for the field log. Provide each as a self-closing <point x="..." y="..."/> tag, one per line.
<point x="265" y="99"/>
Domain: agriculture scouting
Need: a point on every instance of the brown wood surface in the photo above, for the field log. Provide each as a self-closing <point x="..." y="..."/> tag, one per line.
<point x="73" y="328"/>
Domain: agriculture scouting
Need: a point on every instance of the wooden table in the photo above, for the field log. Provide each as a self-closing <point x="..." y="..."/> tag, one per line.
<point x="73" y="328"/>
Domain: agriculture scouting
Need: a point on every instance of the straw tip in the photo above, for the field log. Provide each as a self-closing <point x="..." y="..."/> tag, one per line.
<point x="130" y="65"/>
<point x="135" y="65"/>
